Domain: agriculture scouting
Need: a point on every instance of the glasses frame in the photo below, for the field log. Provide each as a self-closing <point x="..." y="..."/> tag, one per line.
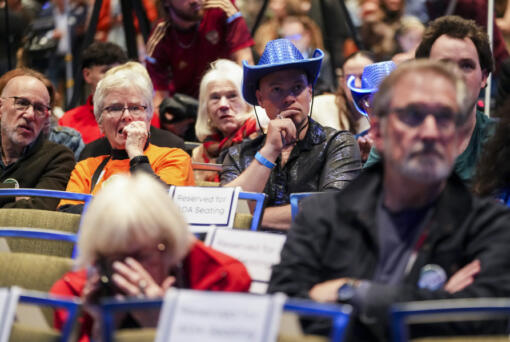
<point x="455" y="122"/>
<point x="38" y="114"/>
<point x="108" y="109"/>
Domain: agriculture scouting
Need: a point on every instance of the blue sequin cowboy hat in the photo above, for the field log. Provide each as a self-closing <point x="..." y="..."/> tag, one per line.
<point x="279" y="54"/>
<point x="371" y="78"/>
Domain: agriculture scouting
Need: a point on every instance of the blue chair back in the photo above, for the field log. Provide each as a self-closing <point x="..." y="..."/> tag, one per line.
<point x="294" y="202"/>
<point x="339" y="314"/>
<point x="438" y="311"/>
<point x="260" y="200"/>
<point x="48" y="193"/>
<point x="53" y="194"/>
<point x="71" y="304"/>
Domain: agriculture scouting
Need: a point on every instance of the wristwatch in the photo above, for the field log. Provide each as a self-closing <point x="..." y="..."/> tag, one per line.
<point x="347" y="291"/>
<point x="138" y="160"/>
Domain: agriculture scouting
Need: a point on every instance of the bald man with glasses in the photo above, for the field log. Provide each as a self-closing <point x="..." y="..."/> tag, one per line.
<point x="29" y="160"/>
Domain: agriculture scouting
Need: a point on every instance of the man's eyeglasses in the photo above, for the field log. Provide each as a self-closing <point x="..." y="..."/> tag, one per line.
<point x="414" y="115"/>
<point x="118" y="109"/>
<point x="22" y="104"/>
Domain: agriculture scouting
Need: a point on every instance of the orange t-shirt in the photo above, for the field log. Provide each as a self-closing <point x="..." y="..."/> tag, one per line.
<point x="172" y="165"/>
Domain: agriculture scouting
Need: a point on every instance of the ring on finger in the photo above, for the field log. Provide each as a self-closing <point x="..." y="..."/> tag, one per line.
<point x="142" y="285"/>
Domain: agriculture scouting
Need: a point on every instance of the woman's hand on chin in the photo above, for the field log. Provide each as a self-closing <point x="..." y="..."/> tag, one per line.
<point x="136" y="137"/>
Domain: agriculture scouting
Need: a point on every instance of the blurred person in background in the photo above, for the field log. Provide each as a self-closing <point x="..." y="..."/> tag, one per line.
<point x="338" y="110"/>
<point x="18" y="22"/>
<point x="306" y="35"/>
<point x="408" y="36"/>
<point x="110" y="26"/>
<point x="492" y="176"/>
<point x="194" y="34"/>
<point x="97" y="59"/>
<point x="277" y="11"/>
<point x="134" y="242"/>
<point x="53" y="34"/>
<point x="224" y="118"/>
<point x="381" y="20"/>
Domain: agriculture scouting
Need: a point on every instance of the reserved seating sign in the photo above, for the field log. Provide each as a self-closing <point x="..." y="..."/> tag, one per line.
<point x="204" y="207"/>
<point x="197" y="316"/>
<point x="258" y="251"/>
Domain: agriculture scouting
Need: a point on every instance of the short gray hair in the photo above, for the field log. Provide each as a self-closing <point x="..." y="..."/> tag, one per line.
<point x="221" y="70"/>
<point x="382" y="100"/>
<point x="124" y="76"/>
<point x="130" y="209"/>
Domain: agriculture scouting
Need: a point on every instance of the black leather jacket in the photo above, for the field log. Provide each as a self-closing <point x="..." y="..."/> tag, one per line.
<point x="325" y="159"/>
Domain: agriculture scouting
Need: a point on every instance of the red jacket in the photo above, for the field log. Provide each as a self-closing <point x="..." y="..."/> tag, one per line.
<point x="204" y="267"/>
<point x="83" y="120"/>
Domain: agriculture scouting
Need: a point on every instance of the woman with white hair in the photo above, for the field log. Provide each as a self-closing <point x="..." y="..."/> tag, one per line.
<point x="224" y="118"/>
<point x="123" y="109"/>
<point x="141" y="246"/>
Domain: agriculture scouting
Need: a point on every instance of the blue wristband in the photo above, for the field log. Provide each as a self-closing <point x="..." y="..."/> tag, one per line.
<point x="264" y="161"/>
<point x="233" y="17"/>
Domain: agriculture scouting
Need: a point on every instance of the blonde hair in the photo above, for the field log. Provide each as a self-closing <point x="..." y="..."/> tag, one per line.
<point x="124" y="76"/>
<point x="129" y="209"/>
<point x="221" y="70"/>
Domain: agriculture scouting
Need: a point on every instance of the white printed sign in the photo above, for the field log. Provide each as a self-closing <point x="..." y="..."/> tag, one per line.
<point x="258" y="251"/>
<point x="8" y="303"/>
<point x="204" y="207"/>
<point x="197" y="316"/>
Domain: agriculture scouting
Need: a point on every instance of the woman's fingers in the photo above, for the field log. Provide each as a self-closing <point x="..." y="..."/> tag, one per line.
<point x="132" y="279"/>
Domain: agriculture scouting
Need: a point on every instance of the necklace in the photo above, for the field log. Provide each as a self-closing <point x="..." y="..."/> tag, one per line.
<point x="181" y="44"/>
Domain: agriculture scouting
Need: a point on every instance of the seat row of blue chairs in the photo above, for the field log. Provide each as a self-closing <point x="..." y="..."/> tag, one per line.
<point x="401" y="314"/>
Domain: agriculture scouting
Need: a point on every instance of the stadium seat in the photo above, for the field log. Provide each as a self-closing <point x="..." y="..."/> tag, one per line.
<point x="42" y="219"/>
<point x="434" y="311"/>
<point x="25" y="331"/>
<point x="339" y="314"/>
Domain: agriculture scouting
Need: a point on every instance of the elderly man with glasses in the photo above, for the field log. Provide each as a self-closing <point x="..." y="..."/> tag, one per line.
<point x="123" y="108"/>
<point x="29" y="160"/>
<point x="407" y="228"/>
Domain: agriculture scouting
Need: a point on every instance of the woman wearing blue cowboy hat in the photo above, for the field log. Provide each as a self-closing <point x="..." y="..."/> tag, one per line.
<point x="296" y="154"/>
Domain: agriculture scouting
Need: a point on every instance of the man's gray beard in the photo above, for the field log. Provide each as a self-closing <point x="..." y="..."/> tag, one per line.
<point x="422" y="169"/>
<point x="426" y="170"/>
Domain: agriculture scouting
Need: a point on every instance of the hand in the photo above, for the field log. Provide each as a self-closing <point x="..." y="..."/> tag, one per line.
<point x="365" y="144"/>
<point x="133" y="280"/>
<point x="503" y="24"/>
<point x="281" y="133"/>
<point x="463" y="277"/>
<point x="327" y="291"/>
<point x="225" y="5"/>
<point x="57" y="34"/>
<point x="136" y="137"/>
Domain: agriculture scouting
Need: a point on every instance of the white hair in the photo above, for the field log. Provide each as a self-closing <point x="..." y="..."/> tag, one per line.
<point x="124" y="76"/>
<point x="221" y="70"/>
<point x="130" y="209"/>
